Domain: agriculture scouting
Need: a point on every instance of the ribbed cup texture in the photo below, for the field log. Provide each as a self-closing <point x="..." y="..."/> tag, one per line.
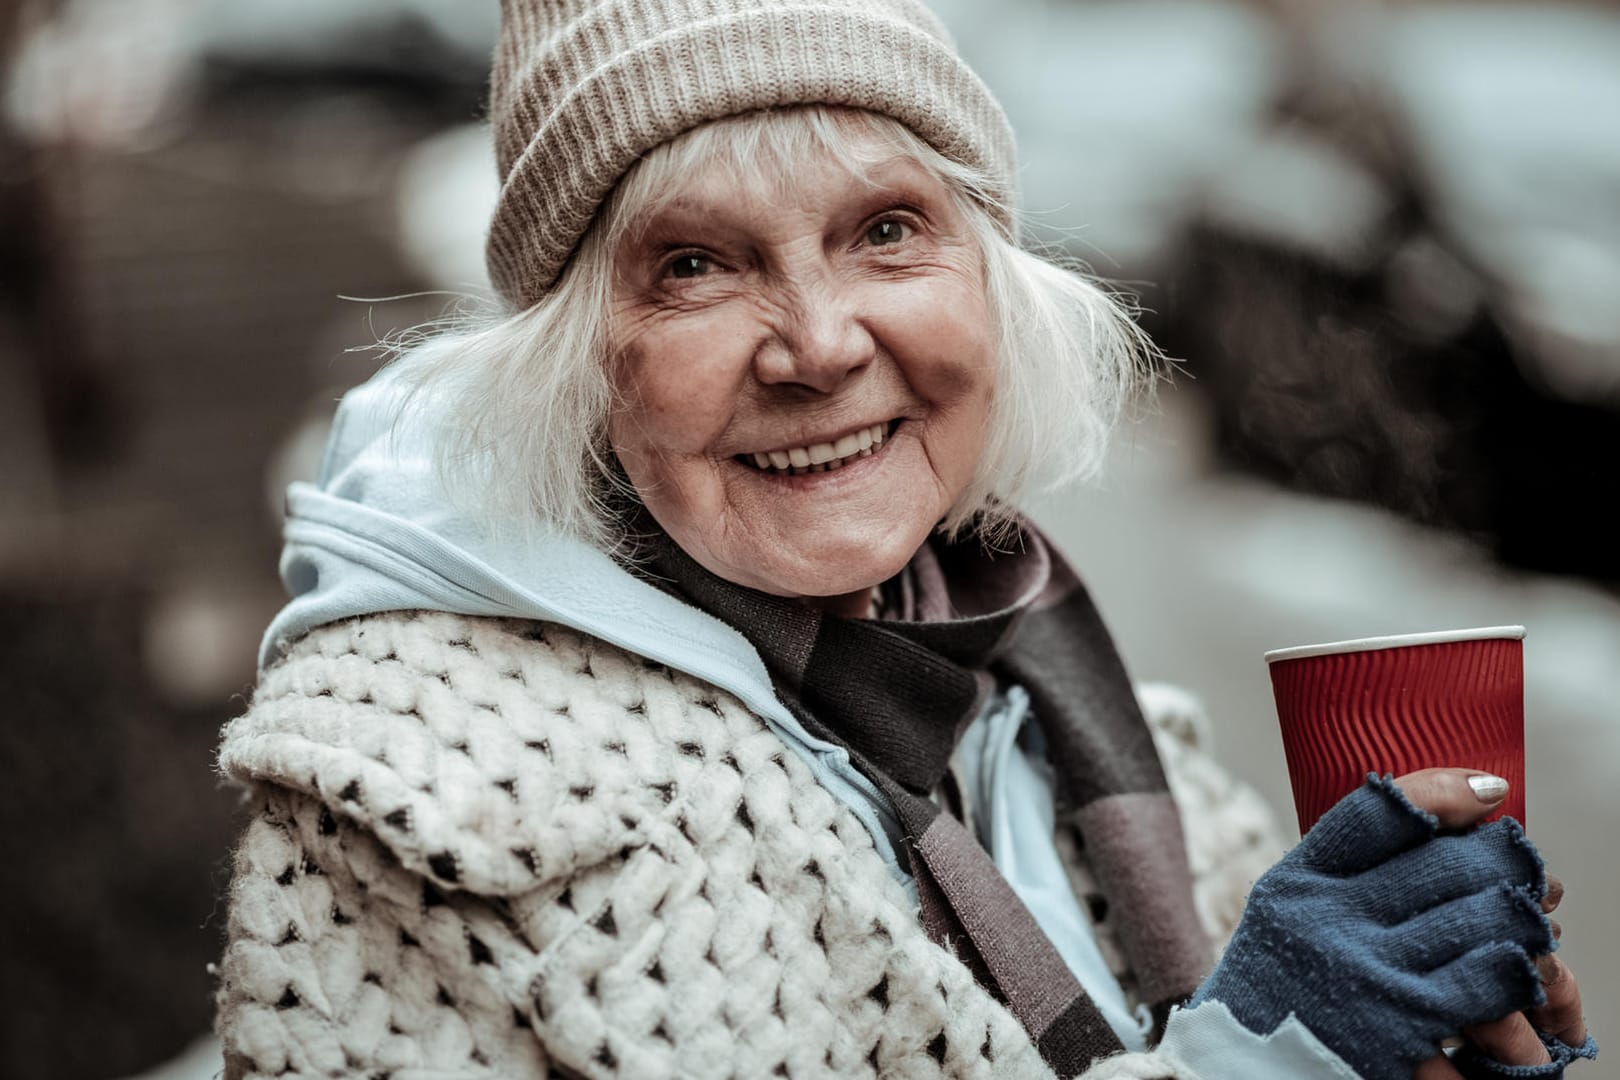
<point x="582" y="88"/>
<point x="1397" y="710"/>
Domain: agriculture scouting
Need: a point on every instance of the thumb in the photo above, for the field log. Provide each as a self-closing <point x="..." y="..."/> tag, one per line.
<point x="1459" y="798"/>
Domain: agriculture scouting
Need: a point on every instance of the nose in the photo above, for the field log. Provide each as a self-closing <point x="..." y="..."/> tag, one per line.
<point x="820" y="341"/>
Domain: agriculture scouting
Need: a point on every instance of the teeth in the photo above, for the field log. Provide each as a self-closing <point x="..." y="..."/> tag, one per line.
<point x="823" y="457"/>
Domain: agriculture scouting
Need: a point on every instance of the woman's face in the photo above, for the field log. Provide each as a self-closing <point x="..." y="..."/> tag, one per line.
<point x="759" y="330"/>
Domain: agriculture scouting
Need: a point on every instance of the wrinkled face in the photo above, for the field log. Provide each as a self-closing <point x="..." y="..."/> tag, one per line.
<point x="805" y="371"/>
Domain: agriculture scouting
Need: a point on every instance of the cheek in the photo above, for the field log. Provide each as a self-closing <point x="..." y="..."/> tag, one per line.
<point x="950" y="362"/>
<point x="676" y="394"/>
<point x="945" y="344"/>
<point x="659" y="449"/>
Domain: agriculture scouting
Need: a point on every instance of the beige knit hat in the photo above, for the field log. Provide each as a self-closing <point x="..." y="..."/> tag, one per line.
<point x="583" y="88"/>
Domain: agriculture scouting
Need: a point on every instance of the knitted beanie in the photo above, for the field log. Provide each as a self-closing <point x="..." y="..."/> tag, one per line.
<point x="582" y="88"/>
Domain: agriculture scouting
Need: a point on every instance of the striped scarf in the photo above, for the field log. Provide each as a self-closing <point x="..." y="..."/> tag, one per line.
<point x="899" y="692"/>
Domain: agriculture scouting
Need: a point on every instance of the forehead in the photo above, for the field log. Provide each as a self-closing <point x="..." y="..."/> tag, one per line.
<point x="718" y="177"/>
<point x="820" y="181"/>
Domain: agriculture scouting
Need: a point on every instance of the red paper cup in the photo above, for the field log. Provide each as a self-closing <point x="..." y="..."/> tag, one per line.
<point x="1397" y="704"/>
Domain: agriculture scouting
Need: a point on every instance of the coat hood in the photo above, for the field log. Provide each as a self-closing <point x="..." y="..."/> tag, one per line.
<point x="377" y="531"/>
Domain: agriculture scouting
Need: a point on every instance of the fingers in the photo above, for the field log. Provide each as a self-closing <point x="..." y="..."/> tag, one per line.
<point x="1555" y="894"/>
<point x="1450" y="797"/>
<point x="1448" y="867"/>
<point x="1383" y="818"/>
<point x="1438" y="1067"/>
<point x="1443" y="933"/>
<point x="1489" y="982"/>
<point x="1510" y="1041"/>
<point x="1515" y="1039"/>
<point x="1561" y="1017"/>
<point x="1363" y="829"/>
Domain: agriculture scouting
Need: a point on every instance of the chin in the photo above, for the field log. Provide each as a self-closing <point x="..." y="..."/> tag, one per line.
<point x="843" y="568"/>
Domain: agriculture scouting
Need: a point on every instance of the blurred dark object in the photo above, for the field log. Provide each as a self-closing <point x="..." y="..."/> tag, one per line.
<point x="113" y="847"/>
<point x="200" y="277"/>
<point x="177" y="295"/>
<point x="171" y="305"/>
<point x="1321" y="386"/>
<point x="429" y="56"/>
<point x="1400" y="293"/>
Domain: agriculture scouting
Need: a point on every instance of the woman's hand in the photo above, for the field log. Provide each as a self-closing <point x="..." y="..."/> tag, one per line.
<point x="1514" y="1039"/>
<point x="1384" y="936"/>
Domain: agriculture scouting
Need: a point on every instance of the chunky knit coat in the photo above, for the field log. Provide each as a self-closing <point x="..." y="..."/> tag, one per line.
<point x="495" y="848"/>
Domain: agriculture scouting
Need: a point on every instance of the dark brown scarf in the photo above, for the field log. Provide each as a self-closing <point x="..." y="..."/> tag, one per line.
<point x="899" y="693"/>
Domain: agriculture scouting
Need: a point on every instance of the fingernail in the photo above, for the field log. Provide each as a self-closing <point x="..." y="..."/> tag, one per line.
<point x="1552" y="970"/>
<point x="1488" y="788"/>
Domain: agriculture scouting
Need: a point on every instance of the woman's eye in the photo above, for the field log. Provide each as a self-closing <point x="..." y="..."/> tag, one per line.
<point x="888" y="231"/>
<point x="690" y="266"/>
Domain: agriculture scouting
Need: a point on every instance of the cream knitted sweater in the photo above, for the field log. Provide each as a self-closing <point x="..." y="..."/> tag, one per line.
<point x="494" y="848"/>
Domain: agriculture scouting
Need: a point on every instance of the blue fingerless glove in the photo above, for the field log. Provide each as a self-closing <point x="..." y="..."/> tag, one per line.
<point x="1384" y="938"/>
<point x="1476" y="1066"/>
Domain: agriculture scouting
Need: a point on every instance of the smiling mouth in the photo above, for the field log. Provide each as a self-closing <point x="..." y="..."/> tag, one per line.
<point x="821" y="457"/>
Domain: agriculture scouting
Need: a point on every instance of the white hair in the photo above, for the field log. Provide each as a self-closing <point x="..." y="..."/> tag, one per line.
<point x="522" y="399"/>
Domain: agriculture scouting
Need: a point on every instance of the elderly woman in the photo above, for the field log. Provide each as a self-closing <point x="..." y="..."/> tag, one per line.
<point x="671" y="687"/>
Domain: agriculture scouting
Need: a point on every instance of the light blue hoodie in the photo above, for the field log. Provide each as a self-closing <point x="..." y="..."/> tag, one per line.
<point x="377" y="532"/>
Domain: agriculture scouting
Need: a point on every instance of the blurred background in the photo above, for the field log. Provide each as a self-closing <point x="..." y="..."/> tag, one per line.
<point x="1382" y="238"/>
